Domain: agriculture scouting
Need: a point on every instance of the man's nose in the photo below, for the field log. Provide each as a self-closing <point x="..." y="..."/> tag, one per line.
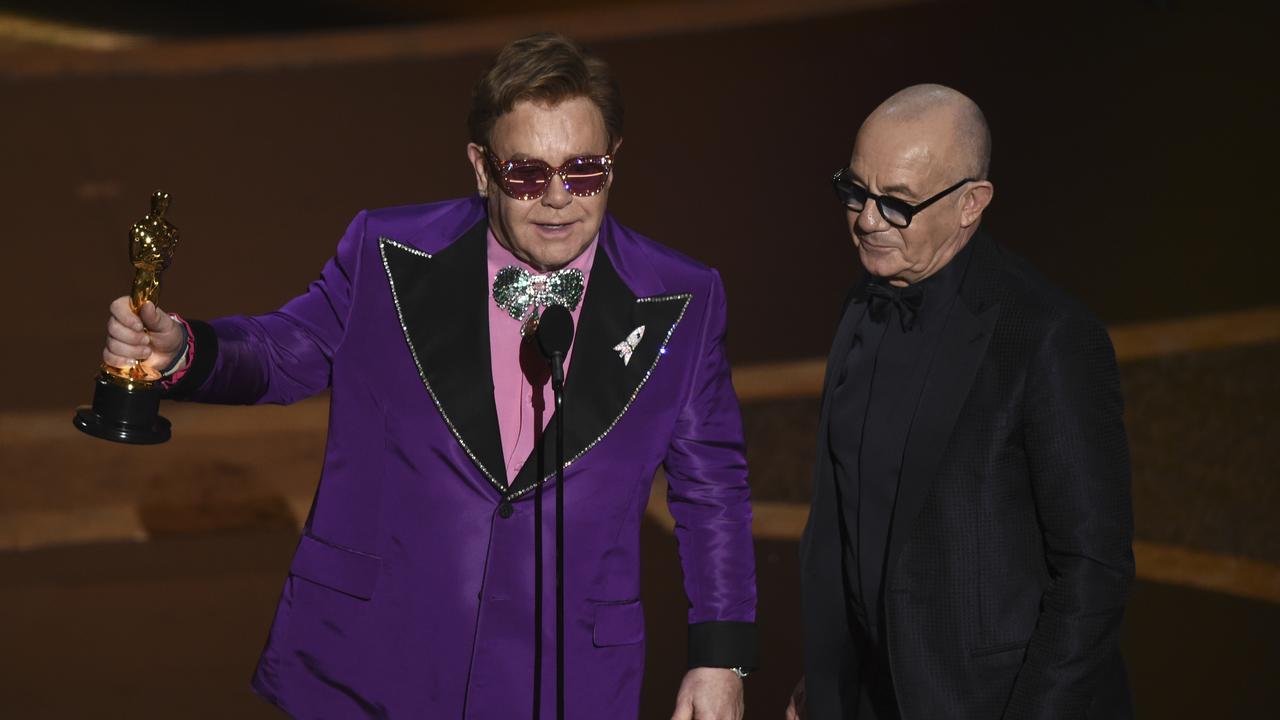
<point x="871" y="219"/>
<point x="557" y="194"/>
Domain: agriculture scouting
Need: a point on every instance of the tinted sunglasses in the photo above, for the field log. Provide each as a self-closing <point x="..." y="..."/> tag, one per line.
<point x="897" y="213"/>
<point x="582" y="176"/>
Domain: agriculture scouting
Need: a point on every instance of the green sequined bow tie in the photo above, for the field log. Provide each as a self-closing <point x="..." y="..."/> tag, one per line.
<point x="518" y="291"/>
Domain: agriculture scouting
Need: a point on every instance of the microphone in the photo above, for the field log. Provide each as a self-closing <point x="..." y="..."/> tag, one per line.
<point x="554" y="336"/>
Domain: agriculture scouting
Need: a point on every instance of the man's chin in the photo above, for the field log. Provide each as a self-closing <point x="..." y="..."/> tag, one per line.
<point x="553" y="256"/>
<point x="880" y="263"/>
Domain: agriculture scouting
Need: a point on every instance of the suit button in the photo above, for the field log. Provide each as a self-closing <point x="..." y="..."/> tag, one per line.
<point x="505" y="510"/>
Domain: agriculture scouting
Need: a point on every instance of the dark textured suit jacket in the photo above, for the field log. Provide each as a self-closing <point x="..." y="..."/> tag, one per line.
<point x="1010" y="550"/>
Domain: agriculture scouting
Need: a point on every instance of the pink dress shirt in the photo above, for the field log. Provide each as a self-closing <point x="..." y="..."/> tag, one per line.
<point x="516" y="397"/>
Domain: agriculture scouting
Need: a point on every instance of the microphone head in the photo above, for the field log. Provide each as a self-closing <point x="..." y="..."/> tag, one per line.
<point x="555" y="331"/>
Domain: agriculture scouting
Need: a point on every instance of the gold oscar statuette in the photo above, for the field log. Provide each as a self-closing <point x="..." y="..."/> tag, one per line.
<point x="126" y="400"/>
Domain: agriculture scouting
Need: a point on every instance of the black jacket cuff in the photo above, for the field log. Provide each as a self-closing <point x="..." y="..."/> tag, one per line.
<point x="204" y="354"/>
<point x="724" y="644"/>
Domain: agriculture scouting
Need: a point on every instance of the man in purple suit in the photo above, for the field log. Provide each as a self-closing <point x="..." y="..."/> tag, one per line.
<point x="411" y="593"/>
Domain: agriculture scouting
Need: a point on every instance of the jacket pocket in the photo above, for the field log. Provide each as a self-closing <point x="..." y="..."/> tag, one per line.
<point x="618" y="624"/>
<point x="348" y="571"/>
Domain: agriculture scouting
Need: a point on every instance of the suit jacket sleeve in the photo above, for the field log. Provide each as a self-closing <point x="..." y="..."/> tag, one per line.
<point x="282" y="356"/>
<point x="1079" y="463"/>
<point x="709" y="498"/>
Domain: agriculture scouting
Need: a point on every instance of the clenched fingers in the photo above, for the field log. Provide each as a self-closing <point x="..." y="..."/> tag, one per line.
<point x="122" y="354"/>
<point x="123" y="314"/>
<point x="127" y="339"/>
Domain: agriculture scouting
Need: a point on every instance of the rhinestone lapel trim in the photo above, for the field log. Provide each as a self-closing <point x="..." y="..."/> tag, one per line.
<point x="383" y="242"/>
<point x="684" y="299"/>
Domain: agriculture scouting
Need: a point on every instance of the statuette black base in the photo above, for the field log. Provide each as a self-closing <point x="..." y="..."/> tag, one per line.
<point x="122" y="415"/>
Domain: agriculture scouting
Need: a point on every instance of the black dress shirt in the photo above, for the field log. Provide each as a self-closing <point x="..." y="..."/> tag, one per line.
<point x="872" y="409"/>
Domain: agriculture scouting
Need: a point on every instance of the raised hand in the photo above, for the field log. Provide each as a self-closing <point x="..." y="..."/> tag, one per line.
<point x="150" y="337"/>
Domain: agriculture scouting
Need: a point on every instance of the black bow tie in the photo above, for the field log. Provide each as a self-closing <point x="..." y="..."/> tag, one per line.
<point x="881" y="296"/>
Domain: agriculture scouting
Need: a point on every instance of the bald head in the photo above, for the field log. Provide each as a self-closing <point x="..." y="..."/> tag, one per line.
<point x="959" y="127"/>
<point x="923" y="154"/>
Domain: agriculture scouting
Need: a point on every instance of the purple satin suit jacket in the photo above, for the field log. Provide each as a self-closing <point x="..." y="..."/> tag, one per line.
<point x="410" y="594"/>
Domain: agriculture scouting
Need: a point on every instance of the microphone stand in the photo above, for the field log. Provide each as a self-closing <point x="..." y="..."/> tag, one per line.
<point x="557" y="387"/>
<point x="537" y="590"/>
<point x="555" y="337"/>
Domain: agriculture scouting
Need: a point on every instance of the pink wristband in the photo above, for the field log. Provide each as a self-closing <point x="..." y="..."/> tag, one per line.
<point x="189" y="353"/>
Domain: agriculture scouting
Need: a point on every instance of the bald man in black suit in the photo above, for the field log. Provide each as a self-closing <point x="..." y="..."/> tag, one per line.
<point x="969" y="547"/>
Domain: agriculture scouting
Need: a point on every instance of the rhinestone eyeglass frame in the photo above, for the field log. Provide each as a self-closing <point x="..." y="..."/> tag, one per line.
<point x="502" y="168"/>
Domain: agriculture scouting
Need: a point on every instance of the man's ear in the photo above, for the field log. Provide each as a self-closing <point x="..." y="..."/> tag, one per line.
<point x="976" y="199"/>
<point x="480" y="166"/>
<point x="616" y="145"/>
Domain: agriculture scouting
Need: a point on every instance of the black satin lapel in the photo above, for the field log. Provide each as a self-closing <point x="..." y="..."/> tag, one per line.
<point x="853" y="312"/>
<point x="600" y="387"/>
<point x="822" y="499"/>
<point x="442" y="303"/>
<point x="955" y="365"/>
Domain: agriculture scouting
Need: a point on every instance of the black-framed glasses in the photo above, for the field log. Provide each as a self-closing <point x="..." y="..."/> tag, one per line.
<point x="897" y="213"/>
